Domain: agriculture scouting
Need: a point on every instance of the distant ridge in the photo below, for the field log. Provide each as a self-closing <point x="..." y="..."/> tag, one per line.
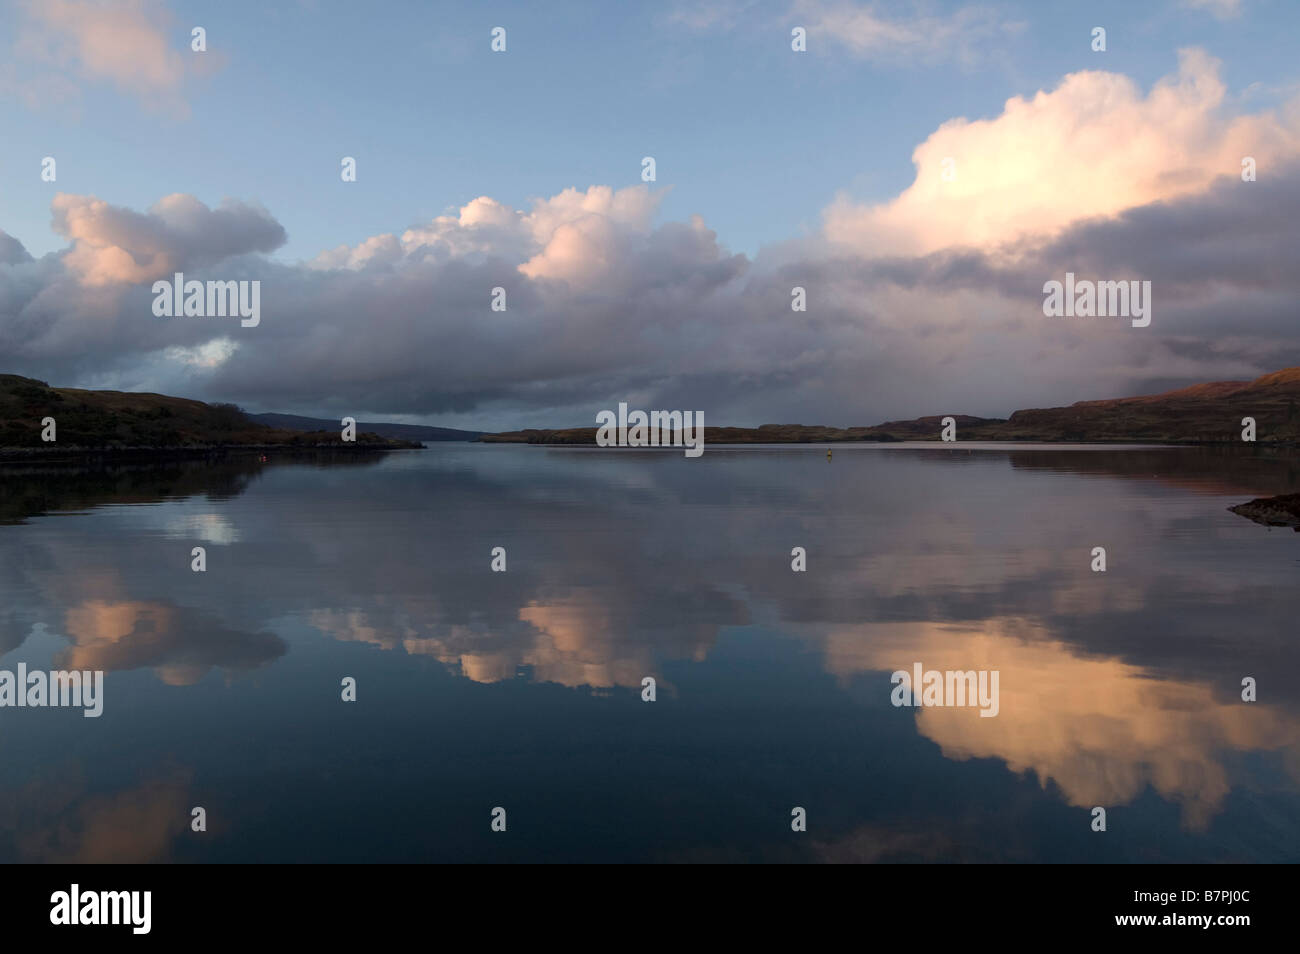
<point x="1200" y="414"/>
<point x="405" y="432"/>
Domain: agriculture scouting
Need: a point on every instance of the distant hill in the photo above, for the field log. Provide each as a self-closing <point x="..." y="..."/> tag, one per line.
<point x="120" y="420"/>
<point x="1203" y="413"/>
<point x="406" y="432"/>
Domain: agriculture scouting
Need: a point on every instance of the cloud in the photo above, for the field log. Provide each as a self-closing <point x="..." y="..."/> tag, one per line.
<point x="868" y="32"/>
<point x="1093" y="146"/>
<point x="112" y="245"/>
<point x="210" y="354"/>
<point x="125" y="43"/>
<point x="606" y="305"/>
<point x="1222" y="9"/>
<point x="12" y="251"/>
<point x="929" y="303"/>
<point x="573" y="236"/>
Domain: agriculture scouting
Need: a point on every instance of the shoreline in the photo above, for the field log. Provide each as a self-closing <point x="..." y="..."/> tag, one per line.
<point x="73" y="453"/>
<point x="823" y="441"/>
<point x="10" y="455"/>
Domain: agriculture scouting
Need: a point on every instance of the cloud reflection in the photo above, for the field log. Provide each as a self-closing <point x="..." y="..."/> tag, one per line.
<point x="1099" y="728"/>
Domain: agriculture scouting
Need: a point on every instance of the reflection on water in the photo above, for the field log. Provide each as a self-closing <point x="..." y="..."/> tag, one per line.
<point x="522" y="688"/>
<point x="180" y="645"/>
<point x="1100" y="729"/>
<point x="53" y="819"/>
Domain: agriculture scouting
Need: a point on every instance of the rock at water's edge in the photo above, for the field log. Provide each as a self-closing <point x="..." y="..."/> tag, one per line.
<point x="1283" y="511"/>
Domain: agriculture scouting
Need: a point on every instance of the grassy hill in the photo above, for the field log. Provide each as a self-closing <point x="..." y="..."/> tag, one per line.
<point x="122" y="419"/>
<point x="1203" y="413"/>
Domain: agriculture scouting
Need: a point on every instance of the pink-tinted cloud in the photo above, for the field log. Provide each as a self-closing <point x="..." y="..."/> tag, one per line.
<point x="573" y="236"/>
<point x="134" y="45"/>
<point x="1094" y="146"/>
<point x="112" y="245"/>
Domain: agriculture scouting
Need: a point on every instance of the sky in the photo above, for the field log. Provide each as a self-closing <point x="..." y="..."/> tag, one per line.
<point x="522" y="169"/>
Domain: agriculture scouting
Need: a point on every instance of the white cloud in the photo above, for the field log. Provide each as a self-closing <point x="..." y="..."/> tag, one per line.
<point x="1093" y="146"/>
<point x="209" y="355"/>
<point x="572" y="236"/>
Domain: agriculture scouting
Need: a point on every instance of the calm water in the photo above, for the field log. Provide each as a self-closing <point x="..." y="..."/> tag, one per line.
<point x="522" y="689"/>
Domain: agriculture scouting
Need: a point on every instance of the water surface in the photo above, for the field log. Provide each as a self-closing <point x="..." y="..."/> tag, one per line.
<point x="522" y="689"/>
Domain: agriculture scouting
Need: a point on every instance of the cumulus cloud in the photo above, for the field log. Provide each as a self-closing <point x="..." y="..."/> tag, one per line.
<point x="928" y="304"/>
<point x="112" y="245"/>
<point x="573" y="236"/>
<point x="11" y="250"/>
<point x="1093" y="146"/>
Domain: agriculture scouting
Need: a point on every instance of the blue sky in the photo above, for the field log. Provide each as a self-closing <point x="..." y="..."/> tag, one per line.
<point x="795" y="165"/>
<point x="756" y="140"/>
